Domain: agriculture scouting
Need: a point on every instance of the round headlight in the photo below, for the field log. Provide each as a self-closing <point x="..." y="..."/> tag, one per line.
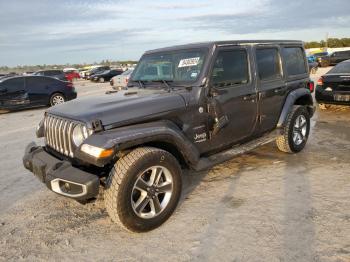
<point x="80" y="133"/>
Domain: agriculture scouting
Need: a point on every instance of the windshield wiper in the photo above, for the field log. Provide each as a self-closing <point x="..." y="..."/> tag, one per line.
<point x="166" y="83"/>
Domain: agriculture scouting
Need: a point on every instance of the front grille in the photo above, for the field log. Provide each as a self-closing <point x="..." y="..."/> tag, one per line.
<point x="58" y="134"/>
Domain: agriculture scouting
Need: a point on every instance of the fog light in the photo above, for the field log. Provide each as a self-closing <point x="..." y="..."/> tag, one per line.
<point x="96" y="151"/>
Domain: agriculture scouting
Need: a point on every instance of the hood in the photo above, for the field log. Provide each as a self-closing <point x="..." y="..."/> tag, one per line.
<point x="114" y="108"/>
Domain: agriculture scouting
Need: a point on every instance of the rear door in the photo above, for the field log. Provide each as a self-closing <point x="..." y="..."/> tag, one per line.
<point x="13" y="94"/>
<point x="39" y="89"/>
<point x="232" y="86"/>
<point x="271" y="86"/>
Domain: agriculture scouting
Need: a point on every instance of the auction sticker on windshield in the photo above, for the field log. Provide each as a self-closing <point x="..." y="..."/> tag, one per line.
<point x="189" y="62"/>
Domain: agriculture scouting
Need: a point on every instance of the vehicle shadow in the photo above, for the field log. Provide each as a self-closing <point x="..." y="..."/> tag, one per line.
<point x="298" y="234"/>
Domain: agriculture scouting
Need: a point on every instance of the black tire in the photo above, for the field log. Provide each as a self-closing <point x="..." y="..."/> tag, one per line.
<point x="120" y="188"/>
<point x="286" y="142"/>
<point x="57" y="97"/>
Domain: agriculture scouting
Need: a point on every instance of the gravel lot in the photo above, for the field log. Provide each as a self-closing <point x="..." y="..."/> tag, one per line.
<point x="262" y="206"/>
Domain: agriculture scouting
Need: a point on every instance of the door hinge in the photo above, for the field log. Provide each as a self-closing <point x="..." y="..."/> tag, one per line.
<point x="261" y="118"/>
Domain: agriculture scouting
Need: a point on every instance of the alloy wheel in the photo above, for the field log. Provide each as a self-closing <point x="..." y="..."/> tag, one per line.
<point x="152" y="192"/>
<point x="299" y="130"/>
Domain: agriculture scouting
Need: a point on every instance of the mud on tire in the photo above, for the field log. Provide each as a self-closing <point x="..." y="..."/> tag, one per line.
<point x="287" y="142"/>
<point x="122" y="192"/>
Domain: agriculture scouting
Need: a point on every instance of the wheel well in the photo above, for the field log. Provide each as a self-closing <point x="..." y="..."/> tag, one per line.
<point x="305" y="100"/>
<point x="172" y="149"/>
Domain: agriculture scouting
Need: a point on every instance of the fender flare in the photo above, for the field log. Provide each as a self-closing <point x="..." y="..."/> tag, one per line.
<point x="130" y="136"/>
<point x="291" y="100"/>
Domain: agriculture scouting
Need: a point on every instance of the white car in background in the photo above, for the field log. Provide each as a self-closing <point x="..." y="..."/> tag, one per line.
<point x="120" y="82"/>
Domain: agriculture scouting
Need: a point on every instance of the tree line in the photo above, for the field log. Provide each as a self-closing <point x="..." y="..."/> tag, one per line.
<point x="34" y="68"/>
<point x="331" y="42"/>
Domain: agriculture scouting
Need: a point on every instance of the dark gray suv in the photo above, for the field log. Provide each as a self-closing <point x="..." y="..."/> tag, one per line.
<point x="186" y="107"/>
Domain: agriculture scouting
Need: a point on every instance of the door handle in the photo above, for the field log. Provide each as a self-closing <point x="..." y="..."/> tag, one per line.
<point x="279" y="90"/>
<point x="250" y="97"/>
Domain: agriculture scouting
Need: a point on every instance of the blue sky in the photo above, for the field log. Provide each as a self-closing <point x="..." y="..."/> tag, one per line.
<point x="76" y="31"/>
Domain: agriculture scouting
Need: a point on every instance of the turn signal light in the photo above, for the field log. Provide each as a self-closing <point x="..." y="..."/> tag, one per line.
<point x="96" y="152"/>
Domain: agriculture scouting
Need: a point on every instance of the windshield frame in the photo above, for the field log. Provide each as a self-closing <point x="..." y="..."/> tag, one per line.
<point x="171" y="82"/>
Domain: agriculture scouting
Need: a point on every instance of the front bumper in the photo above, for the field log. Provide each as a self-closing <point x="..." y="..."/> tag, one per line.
<point x="60" y="176"/>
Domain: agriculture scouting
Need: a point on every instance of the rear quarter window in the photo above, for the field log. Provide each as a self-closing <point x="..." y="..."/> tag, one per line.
<point x="294" y="59"/>
<point x="268" y="61"/>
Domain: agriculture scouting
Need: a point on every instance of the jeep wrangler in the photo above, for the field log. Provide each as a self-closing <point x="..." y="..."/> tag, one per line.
<point x="191" y="106"/>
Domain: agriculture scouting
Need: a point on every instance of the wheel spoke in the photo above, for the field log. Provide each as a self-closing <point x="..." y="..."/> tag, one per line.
<point x="301" y="136"/>
<point x="295" y="137"/>
<point x="141" y="203"/>
<point x="165" y="187"/>
<point x="155" y="205"/>
<point x="141" y="184"/>
<point x="155" y="176"/>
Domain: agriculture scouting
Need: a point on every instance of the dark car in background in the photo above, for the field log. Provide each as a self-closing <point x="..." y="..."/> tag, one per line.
<point x="333" y="58"/>
<point x="33" y="91"/>
<point x="106" y="75"/>
<point x="58" y="74"/>
<point x="96" y="70"/>
<point x="334" y="87"/>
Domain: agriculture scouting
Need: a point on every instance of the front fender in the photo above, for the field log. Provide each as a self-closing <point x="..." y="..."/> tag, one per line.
<point x="300" y="96"/>
<point x="130" y="136"/>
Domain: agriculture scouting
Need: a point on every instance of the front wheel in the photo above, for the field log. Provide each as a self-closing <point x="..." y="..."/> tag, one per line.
<point x="143" y="189"/>
<point x="296" y="131"/>
<point x="57" y="99"/>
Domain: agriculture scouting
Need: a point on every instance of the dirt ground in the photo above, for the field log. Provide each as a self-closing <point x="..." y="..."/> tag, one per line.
<point x="261" y="206"/>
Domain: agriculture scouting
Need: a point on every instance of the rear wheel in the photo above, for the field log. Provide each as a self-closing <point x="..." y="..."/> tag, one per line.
<point x="296" y="131"/>
<point x="143" y="189"/>
<point x="56" y="99"/>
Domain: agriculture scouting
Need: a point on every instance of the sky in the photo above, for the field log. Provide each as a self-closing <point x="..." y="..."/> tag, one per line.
<point x="74" y="31"/>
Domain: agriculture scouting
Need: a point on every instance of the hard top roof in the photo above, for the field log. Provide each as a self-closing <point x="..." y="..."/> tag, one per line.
<point x="223" y="43"/>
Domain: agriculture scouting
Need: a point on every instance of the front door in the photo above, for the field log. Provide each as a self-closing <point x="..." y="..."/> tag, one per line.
<point x="12" y="93"/>
<point x="232" y="87"/>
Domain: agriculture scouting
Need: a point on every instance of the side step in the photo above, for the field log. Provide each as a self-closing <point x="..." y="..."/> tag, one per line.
<point x="208" y="162"/>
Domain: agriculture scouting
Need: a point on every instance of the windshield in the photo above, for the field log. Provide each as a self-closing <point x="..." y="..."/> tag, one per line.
<point x="341" y="68"/>
<point x="177" y="66"/>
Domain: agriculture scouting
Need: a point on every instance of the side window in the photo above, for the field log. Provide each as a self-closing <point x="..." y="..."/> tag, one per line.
<point x="14" y="84"/>
<point x="38" y="83"/>
<point x="294" y="60"/>
<point x="230" y="68"/>
<point x="268" y="63"/>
